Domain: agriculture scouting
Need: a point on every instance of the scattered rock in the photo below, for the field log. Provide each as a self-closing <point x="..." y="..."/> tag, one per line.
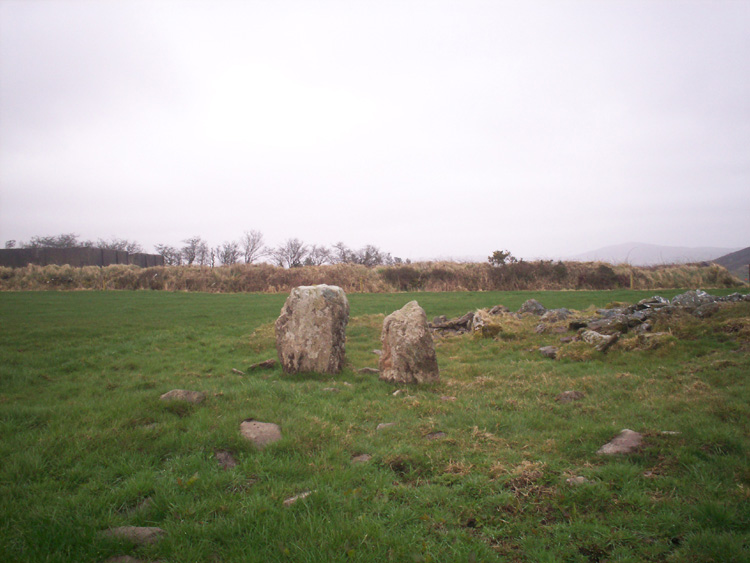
<point x="627" y="441"/>
<point x="291" y="500"/>
<point x="238" y="372"/>
<point x="548" y="351"/>
<point x="361" y="458"/>
<point x="498" y="310"/>
<point x="260" y="433"/>
<point x="555" y="315"/>
<point x="692" y="299"/>
<point x="265" y="364"/>
<point x="570" y="396"/>
<point x="397" y="392"/>
<point x="601" y="342"/>
<point x="483" y="324"/>
<point x="138" y="535"/>
<point x="408" y="350"/>
<point x="436" y="435"/>
<point x="577" y="480"/>
<point x="195" y="397"/>
<point x="706" y="310"/>
<point x="330" y="389"/>
<point x="534" y="307"/>
<point x="311" y="330"/>
<point x="368" y="371"/>
<point x="384" y="425"/>
<point x="447" y="398"/>
<point x="226" y="459"/>
<point x="566" y="339"/>
<point x="442" y="319"/>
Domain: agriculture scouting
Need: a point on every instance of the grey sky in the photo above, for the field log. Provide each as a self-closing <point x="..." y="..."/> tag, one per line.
<point x="428" y="128"/>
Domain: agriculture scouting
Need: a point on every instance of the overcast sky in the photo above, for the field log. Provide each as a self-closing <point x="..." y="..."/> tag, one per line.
<point x="431" y="129"/>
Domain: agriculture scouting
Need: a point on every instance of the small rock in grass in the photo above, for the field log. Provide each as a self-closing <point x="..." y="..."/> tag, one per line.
<point x="260" y="433"/>
<point x="362" y="458"/>
<point x="436" y="435"/>
<point x="570" y="396"/>
<point x="397" y="392"/>
<point x="447" y="398"/>
<point x="265" y="364"/>
<point x="602" y="342"/>
<point x="226" y="459"/>
<point x="195" y="397"/>
<point x="368" y="371"/>
<point x="548" y="351"/>
<point x="330" y="389"/>
<point x="139" y="535"/>
<point x="577" y="480"/>
<point x="291" y="500"/>
<point x="627" y="441"/>
<point x="384" y="425"/>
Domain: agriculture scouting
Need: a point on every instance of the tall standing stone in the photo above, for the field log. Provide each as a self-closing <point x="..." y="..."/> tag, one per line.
<point x="311" y="330"/>
<point x="408" y="352"/>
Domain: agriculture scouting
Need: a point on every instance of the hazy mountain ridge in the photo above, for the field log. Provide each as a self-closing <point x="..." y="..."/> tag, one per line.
<point x="736" y="262"/>
<point x="642" y="254"/>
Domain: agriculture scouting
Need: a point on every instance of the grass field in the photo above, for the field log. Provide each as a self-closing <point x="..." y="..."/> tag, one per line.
<point x="85" y="440"/>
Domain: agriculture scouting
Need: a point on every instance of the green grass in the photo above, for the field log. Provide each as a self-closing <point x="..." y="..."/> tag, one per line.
<point x="84" y="438"/>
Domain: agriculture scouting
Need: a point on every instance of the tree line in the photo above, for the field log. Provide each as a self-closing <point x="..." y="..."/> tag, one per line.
<point x="250" y="248"/>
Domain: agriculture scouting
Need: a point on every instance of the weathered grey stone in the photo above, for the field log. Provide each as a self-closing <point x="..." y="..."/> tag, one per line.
<point x="555" y="315"/>
<point x="260" y="433"/>
<point x="601" y="342"/>
<point x="570" y="396"/>
<point x="195" y="397"/>
<point x="692" y="299"/>
<point x="549" y="351"/>
<point x="498" y="310"/>
<point x="627" y="441"/>
<point x="311" y="330"/>
<point x="384" y="425"/>
<point x="139" y="535"/>
<point x="534" y="307"/>
<point x="577" y="480"/>
<point x="361" y="458"/>
<point x="408" y="350"/>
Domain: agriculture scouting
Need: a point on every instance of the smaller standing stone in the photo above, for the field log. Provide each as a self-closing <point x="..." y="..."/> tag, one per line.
<point x="625" y="442"/>
<point x="408" y="349"/>
<point x="260" y="433"/>
<point x="195" y="397"/>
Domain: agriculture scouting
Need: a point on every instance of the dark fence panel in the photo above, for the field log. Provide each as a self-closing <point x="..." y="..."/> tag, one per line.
<point x="78" y="257"/>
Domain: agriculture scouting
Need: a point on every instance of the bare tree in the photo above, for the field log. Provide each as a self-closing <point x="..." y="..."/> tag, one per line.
<point x="10" y="244"/>
<point x="252" y="246"/>
<point x="317" y="256"/>
<point x="172" y="256"/>
<point x="66" y="240"/>
<point x="203" y="254"/>
<point x="228" y="253"/>
<point x="341" y="254"/>
<point x="291" y="254"/>
<point x="191" y="248"/>
<point x="122" y="245"/>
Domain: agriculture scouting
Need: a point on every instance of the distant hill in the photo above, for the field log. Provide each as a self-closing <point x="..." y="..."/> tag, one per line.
<point x="736" y="262"/>
<point x="641" y="254"/>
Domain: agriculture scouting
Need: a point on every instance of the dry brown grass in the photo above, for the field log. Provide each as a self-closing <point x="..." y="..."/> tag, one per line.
<point x="353" y="278"/>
